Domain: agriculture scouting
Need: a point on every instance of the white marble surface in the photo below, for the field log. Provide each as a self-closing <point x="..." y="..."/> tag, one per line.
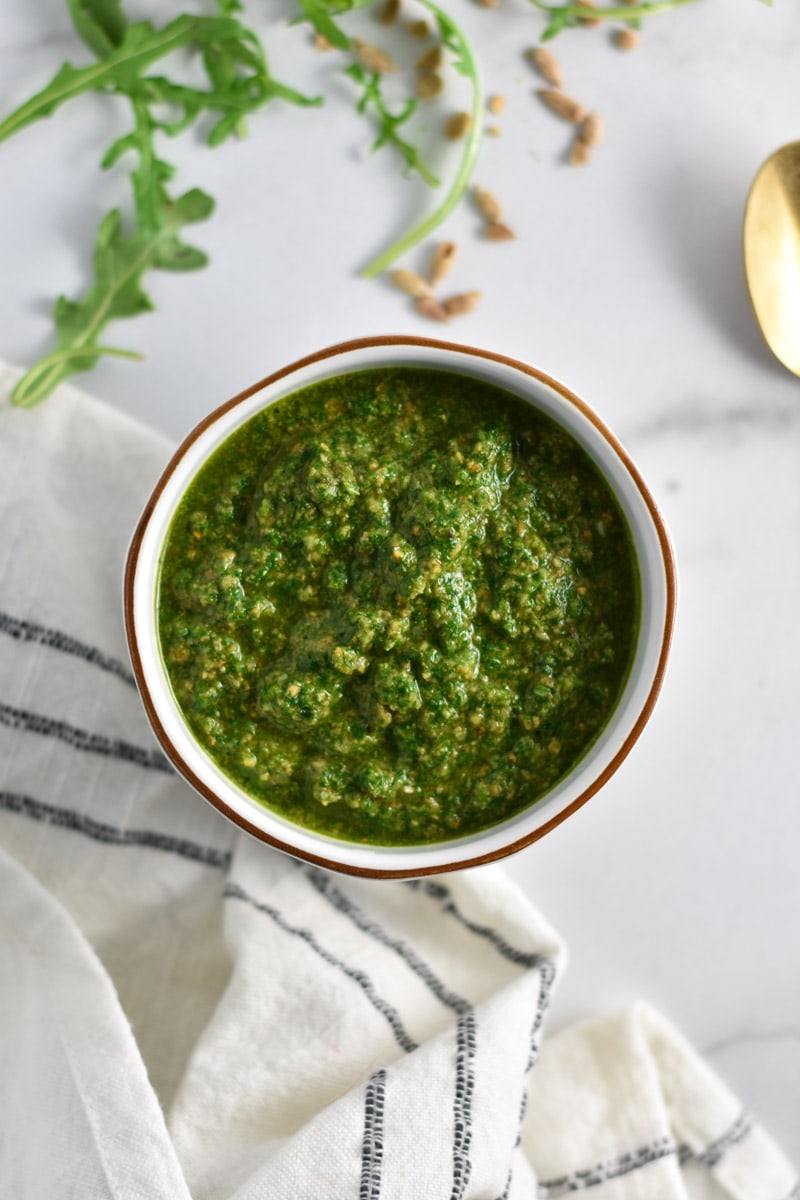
<point x="680" y="881"/>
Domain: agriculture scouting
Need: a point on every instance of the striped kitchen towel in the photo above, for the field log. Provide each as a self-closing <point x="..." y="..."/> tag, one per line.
<point x="186" y="1014"/>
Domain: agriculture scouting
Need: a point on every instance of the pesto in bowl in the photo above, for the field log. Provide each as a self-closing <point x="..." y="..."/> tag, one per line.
<point x="398" y="605"/>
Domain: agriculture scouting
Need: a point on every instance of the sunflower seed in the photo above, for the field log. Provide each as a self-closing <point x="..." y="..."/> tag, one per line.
<point x="488" y="205"/>
<point x="443" y="258"/>
<point x="562" y="104"/>
<point x="429" y="307"/>
<point x="457" y="125"/>
<point x="410" y="283"/>
<point x="496" y="231"/>
<point x="626" y="39"/>
<point x="592" y="129"/>
<point x="372" y="58"/>
<point x="547" y="65"/>
<point x="431" y="60"/>
<point x="429" y="84"/>
<point x="464" y="302"/>
<point x="389" y="12"/>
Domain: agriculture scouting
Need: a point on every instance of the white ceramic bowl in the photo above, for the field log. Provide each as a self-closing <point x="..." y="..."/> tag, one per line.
<point x="658" y="585"/>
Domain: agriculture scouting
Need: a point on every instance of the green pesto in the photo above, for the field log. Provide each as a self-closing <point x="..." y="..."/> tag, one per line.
<point x="398" y="605"/>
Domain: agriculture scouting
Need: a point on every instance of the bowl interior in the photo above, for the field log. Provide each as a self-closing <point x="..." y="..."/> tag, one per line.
<point x="657" y="581"/>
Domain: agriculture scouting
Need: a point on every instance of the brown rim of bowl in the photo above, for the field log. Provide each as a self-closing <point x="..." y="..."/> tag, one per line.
<point x="476" y="860"/>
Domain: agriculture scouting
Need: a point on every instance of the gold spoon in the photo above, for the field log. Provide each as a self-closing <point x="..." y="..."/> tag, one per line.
<point x="772" y="253"/>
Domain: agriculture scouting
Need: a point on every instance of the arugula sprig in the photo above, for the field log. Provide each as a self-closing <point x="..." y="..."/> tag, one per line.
<point x="120" y="263"/>
<point x="566" y="16"/>
<point x="464" y="62"/>
<point x="320" y="15"/>
<point x="388" y="122"/>
<point x="239" y="83"/>
<point x="121" y="68"/>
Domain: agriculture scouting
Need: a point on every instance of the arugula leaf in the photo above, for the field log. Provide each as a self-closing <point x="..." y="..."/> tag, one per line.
<point x="465" y="64"/>
<point x="241" y="84"/>
<point x="120" y="262"/>
<point x="560" y="18"/>
<point x="317" y="13"/>
<point x="101" y="23"/>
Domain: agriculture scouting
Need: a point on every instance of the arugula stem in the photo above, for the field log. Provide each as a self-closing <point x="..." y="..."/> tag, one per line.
<point x="82" y="352"/>
<point x="427" y="174"/>
<point x="37" y="383"/>
<point x="464" y="173"/>
<point x="147" y="164"/>
<point x="622" y="12"/>
<point x="100" y="317"/>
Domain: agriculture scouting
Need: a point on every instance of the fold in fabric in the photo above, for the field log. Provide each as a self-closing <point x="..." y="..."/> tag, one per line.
<point x="186" y="1013"/>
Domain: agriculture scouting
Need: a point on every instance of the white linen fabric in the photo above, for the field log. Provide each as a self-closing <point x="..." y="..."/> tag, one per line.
<point x="185" y="1013"/>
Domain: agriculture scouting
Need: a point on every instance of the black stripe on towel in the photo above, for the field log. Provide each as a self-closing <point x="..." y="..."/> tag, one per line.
<point x="372" y="1143"/>
<point x="82" y="739"/>
<point x="509" y="1177"/>
<point x="28" y="631"/>
<point x="234" y="892"/>
<point x="716" y="1150"/>
<point x="438" y="891"/>
<point x="547" y="974"/>
<point x="67" y="818"/>
<point x="624" y="1164"/>
<point x="462" y="1108"/>
<point x="343" y="904"/>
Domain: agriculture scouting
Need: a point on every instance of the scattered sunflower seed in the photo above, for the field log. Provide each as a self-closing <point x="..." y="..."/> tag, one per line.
<point x="579" y="152"/>
<point x="418" y="29"/>
<point x="562" y="104"/>
<point x="488" y="204"/>
<point x="321" y="43"/>
<point x="490" y="3"/>
<point x="372" y="58"/>
<point x="589" y="22"/>
<point x="389" y="12"/>
<point x="428" y="306"/>
<point x="626" y="39"/>
<point x="429" y="84"/>
<point x="590" y="132"/>
<point x="431" y="60"/>
<point x="547" y="65"/>
<point x="592" y="129"/>
<point x="410" y="283"/>
<point x="464" y="302"/>
<point x="443" y="258"/>
<point x="457" y="126"/>
<point x="493" y="130"/>
<point x="496" y="104"/>
<point x="496" y="231"/>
